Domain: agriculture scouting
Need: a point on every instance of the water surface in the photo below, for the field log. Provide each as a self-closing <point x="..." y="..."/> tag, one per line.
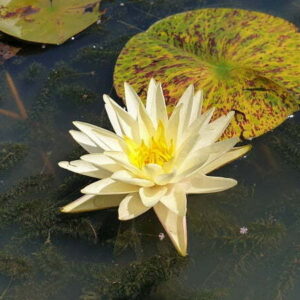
<point x="47" y="255"/>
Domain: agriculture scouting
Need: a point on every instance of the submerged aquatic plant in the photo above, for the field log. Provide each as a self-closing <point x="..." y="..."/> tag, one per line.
<point x="154" y="158"/>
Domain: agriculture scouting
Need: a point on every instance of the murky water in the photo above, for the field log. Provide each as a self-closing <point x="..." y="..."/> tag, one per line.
<point x="47" y="255"/>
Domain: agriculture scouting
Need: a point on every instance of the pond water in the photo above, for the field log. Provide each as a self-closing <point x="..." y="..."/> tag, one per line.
<point x="244" y="243"/>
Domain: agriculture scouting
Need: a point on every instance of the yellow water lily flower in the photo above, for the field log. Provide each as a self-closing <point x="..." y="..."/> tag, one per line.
<point x="153" y="160"/>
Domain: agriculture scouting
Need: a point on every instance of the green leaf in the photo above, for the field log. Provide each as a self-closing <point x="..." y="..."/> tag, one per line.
<point x="243" y="60"/>
<point x="47" y="21"/>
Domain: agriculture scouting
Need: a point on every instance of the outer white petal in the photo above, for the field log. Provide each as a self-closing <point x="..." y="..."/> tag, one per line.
<point x="85" y="142"/>
<point x="92" y="202"/>
<point x="218" y="149"/>
<point x="192" y="138"/>
<point x="185" y="114"/>
<point x="113" y="118"/>
<point x="207" y="154"/>
<point x="106" y="139"/>
<point x="186" y="148"/>
<point x="127" y="177"/>
<point x="175" y="199"/>
<point x="84" y="168"/>
<point x="113" y="141"/>
<point x="225" y="159"/>
<point x="172" y="125"/>
<point x="156" y="106"/>
<point x="132" y="100"/>
<point x="151" y="95"/>
<point x="196" y="106"/>
<point x="146" y="128"/>
<point x="109" y="186"/>
<point x="131" y="207"/>
<point x="127" y="123"/>
<point x="103" y="161"/>
<point x="151" y="195"/>
<point x="213" y="131"/>
<point x="174" y="225"/>
<point x="202" y="184"/>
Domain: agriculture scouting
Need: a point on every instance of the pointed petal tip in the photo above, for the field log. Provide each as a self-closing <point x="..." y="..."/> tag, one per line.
<point x="64" y="210"/>
<point x="78" y="124"/>
<point x="62" y="164"/>
<point x="153" y="81"/>
<point x="125" y="218"/>
<point x="182" y="252"/>
<point x="106" y="98"/>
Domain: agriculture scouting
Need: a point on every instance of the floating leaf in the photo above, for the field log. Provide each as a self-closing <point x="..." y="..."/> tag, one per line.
<point x="245" y="61"/>
<point x="47" y="21"/>
<point x="7" y="52"/>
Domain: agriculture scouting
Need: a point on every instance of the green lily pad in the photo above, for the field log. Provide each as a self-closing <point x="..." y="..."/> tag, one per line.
<point x="47" y="21"/>
<point x="243" y="60"/>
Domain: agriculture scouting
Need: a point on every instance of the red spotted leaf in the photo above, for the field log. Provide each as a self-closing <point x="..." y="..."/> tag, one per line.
<point x="243" y="60"/>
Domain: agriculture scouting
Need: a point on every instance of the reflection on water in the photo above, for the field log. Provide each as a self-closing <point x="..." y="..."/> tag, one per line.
<point x="244" y="243"/>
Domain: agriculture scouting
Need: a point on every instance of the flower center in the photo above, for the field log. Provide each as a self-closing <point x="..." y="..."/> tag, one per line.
<point x="157" y="150"/>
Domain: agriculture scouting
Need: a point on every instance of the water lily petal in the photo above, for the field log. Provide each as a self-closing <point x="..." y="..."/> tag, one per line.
<point x="131" y="207"/>
<point x="128" y="177"/>
<point x="113" y="141"/>
<point x="109" y="186"/>
<point x="151" y="195"/>
<point x="175" y="227"/>
<point x="85" y="142"/>
<point x="214" y="130"/>
<point x="175" y="199"/>
<point x="92" y="202"/>
<point x="206" y="154"/>
<point x="202" y="184"/>
<point x="185" y="113"/>
<point x="225" y="159"/>
<point x="128" y="124"/>
<point x="192" y="138"/>
<point x="113" y="118"/>
<point x="166" y="178"/>
<point x="106" y="139"/>
<point x="172" y="125"/>
<point x="84" y="168"/>
<point x="151" y="171"/>
<point x="151" y="96"/>
<point x="132" y="100"/>
<point x="103" y="161"/>
<point x="122" y="159"/>
<point x="196" y="106"/>
<point x="156" y="105"/>
<point x="218" y="149"/>
<point x="145" y="124"/>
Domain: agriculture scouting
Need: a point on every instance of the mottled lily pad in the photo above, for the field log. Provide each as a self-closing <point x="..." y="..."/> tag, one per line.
<point x="243" y="60"/>
<point x="47" y="21"/>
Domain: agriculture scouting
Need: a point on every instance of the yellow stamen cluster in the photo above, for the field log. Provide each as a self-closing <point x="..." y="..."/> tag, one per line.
<point x="157" y="150"/>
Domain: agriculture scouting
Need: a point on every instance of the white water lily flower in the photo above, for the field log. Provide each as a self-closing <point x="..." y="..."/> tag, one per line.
<point x="153" y="160"/>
